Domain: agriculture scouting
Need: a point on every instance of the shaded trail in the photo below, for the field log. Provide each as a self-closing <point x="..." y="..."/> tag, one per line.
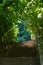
<point x="19" y="61"/>
<point x="17" y="55"/>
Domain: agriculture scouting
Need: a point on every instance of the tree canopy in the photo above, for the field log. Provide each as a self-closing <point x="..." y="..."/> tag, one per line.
<point x="29" y="12"/>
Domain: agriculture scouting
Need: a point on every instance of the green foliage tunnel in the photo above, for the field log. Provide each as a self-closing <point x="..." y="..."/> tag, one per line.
<point x="13" y="11"/>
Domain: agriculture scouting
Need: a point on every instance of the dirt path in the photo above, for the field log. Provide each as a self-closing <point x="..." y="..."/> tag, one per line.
<point x="20" y="61"/>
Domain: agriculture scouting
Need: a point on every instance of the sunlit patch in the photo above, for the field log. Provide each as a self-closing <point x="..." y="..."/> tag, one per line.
<point x="39" y="15"/>
<point x="13" y="23"/>
<point x="41" y="9"/>
<point x="25" y="11"/>
<point x="28" y="4"/>
<point x="10" y="8"/>
<point x="21" y="0"/>
<point x="19" y="21"/>
<point x="30" y="44"/>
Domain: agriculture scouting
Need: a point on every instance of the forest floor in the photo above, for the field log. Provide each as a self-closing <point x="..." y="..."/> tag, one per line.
<point x="19" y="56"/>
<point x="11" y="55"/>
<point x="20" y="61"/>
